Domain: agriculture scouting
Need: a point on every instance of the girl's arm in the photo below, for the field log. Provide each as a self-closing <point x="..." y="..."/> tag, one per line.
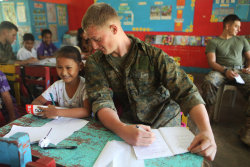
<point x="40" y="100"/>
<point x="81" y="112"/>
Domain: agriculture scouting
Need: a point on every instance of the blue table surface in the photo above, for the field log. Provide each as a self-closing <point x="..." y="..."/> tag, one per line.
<point x="90" y="141"/>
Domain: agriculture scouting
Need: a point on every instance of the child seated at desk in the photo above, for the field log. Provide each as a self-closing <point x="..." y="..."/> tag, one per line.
<point x="68" y="92"/>
<point x="27" y="52"/>
<point x="7" y="108"/>
<point x="46" y="49"/>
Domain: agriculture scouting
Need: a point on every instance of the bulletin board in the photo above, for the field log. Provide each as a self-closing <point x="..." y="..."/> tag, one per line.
<point x="155" y="15"/>
<point x="49" y="16"/>
<point x="222" y="8"/>
<point x="33" y="16"/>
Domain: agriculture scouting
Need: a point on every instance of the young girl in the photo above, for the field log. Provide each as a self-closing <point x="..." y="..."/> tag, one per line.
<point x="68" y="92"/>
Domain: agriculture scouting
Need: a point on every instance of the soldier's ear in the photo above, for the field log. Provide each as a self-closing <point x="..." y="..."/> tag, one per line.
<point x="113" y="28"/>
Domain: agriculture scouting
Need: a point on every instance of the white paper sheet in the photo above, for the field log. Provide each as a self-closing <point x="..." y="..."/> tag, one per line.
<point x="177" y="138"/>
<point x="47" y="61"/>
<point x="63" y="127"/>
<point x="239" y="80"/>
<point x="35" y="133"/>
<point x="157" y="149"/>
<point x="117" y="154"/>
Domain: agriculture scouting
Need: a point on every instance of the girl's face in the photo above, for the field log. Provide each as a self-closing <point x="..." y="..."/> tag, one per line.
<point x="67" y="69"/>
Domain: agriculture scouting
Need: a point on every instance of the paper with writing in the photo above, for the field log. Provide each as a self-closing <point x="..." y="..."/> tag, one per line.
<point x="169" y="141"/>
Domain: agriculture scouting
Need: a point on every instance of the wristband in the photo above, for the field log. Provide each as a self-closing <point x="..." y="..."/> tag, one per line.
<point x="225" y="70"/>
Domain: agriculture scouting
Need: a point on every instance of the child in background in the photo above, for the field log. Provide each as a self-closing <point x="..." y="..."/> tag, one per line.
<point x="6" y="105"/>
<point x="46" y="49"/>
<point x="68" y="92"/>
<point x="84" y="44"/>
<point x="27" y="52"/>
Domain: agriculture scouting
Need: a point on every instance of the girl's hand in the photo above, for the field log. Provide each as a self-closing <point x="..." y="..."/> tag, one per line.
<point x="50" y="112"/>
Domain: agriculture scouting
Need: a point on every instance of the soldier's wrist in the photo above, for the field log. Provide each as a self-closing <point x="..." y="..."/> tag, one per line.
<point x="225" y="70"/>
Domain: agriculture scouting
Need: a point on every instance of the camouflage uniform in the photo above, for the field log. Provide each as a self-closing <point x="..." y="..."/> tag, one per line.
<point x="148" y="88"/>
<point x="229" y="54"/>
<point x="6" y="54"/>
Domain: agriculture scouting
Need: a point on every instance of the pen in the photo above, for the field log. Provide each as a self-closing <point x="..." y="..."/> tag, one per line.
<point x="60" y="147"/>
<point x="52" y="99"/>
<point x="138" y="127"/>
<point x="48" y="133"/>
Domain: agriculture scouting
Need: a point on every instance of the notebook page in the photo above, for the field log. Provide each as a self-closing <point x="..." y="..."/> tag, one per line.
<point x="177" y="138"/>
<point x="156" y="150"/>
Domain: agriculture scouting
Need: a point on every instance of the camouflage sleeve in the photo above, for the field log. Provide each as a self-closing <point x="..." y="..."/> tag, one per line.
<point x="99" y="93"/>
<point x="181" y="88"/>
<point x="211" y="47"/>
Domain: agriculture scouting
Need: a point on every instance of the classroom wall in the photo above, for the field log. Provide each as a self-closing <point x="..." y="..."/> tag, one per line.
<point x="193" y="58"/>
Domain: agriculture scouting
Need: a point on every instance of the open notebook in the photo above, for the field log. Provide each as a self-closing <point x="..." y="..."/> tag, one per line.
<point x="169" y="141"/>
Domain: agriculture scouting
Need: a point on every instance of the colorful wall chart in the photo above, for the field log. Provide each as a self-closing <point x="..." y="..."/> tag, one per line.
<point x="222" y="8"/>
<point x="155" y="15"/>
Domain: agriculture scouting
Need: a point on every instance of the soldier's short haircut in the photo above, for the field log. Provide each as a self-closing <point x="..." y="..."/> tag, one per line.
<point x="230" y="19"/>
<point x="7" y="25"/>
<point x="98" y="14"/>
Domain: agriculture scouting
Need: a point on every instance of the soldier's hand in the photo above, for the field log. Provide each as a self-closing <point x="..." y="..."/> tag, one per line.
<point x="142" y="136"/>
<point x="204" y="145"/>
<point x="230" y="74"/>
<point x="246" y="70"/>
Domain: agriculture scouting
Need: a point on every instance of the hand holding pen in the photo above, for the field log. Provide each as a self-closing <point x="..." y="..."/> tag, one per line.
<point x="52" y="99"/>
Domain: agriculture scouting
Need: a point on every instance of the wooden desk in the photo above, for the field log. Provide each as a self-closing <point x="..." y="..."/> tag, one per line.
<point x="90" y="140"/>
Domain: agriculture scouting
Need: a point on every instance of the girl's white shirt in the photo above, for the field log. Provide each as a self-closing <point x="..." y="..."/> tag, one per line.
<point x="61" y="97"/>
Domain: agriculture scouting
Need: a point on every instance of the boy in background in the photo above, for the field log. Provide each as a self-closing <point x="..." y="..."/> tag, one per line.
<point x="27" y="52"/>
<point x="46" y="48"/>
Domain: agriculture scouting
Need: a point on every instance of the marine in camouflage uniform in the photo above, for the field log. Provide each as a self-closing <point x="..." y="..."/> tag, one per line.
<point x="147" y="83"/>
<point x="6" y="54"/>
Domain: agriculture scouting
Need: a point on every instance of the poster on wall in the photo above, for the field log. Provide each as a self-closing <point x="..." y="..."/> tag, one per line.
<point x="155" y="15"/>
<point x="21" y="31"/>
<point x="21" y="12"/>
<point x="39" y="18"/>
<point x="53" y="29"/>
<point x="9" y="12"/>
<point x="51" y="12"/>
<point x="62" y="15"/>
<point x="222" y="8"/>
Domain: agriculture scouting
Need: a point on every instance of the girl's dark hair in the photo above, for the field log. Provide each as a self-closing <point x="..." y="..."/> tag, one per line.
<point x="79" y="37"/>
<point x="69" y="52"/>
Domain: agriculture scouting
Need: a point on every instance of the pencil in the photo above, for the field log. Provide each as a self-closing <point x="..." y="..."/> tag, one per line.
<point x="51" y="96"/>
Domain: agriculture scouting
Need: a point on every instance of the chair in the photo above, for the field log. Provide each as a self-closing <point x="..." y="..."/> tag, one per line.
<point x="219" y="98"/>
<point x="36" y="75"/>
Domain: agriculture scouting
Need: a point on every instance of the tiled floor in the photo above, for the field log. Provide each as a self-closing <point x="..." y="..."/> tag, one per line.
<point x="231" y="152"/>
